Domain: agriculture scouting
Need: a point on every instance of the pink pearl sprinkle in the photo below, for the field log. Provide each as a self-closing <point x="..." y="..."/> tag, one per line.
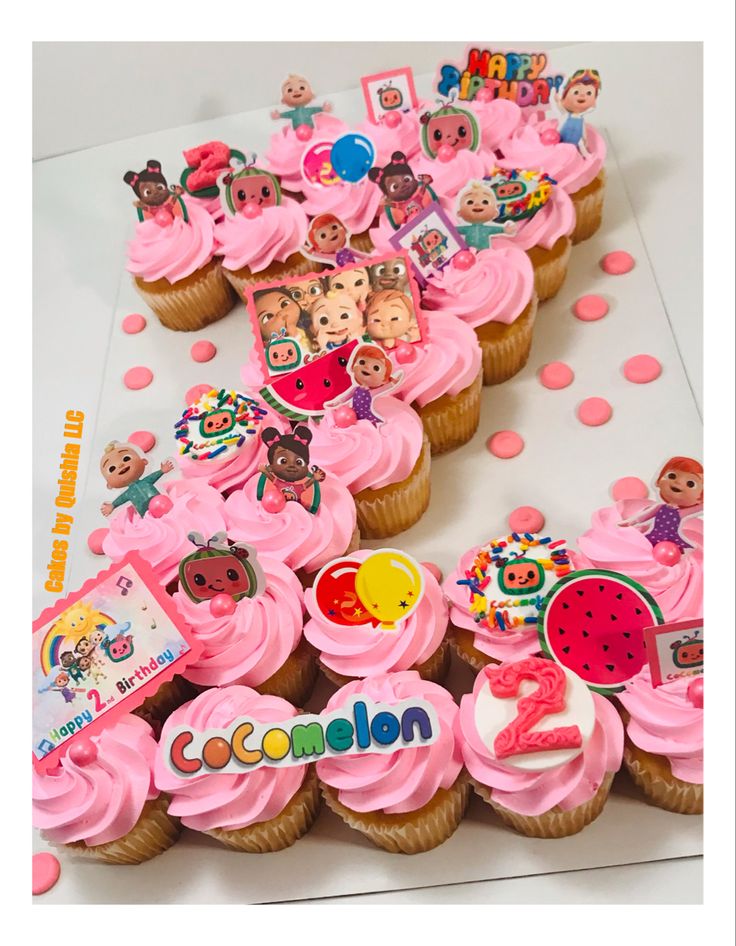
<point x="132" y="324"/>
<point x="594" y="411"/>
<point x="617" y="263"/>
<point x="590" y="308"/>
<point x="641" y="369"/>
<point x="629" y="487"/>
<point x="556" y="375"/>
<point x="45" y="872"/>
<point x="505" y="444"/>
<point x="196" y="392"/>
<point x="526" y="519"/>
<point x="136" y="378"/>
<point x="143" y="439"/>
<point x="202" y="351"/>
<point x="95" y="540"/>
<point x="433" y="570"/>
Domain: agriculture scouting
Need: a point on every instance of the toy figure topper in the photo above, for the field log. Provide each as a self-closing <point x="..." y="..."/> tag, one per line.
<point x="447" y="130"/>
<point x="99" y="653"/>
<point x="680" y="485"/>
<point x="404" y="195"/>
<point x="389" y="92"/>
<point x="579" y="97"/>
<point x="431" y="241"/>
<point x="220" y="566"/>
<point x="675" y="650"/>
<point x="371" y="371"/>
<point x="205" y="164"/>
<point x="288" y="477"/>
<point x="156" y="200"/>
<point x="328" y="242"/>
<point x="297" y="94"/>
<point x="122" y="468"/>
<point x="478" y="208"/>
<point x="218" y="425"/>
<point x="248" y="191"/>
<point x="486" y="75"/>
<point x="519" y="194"/>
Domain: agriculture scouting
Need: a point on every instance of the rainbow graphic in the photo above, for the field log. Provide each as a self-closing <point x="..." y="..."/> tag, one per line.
<point x="54" y="643"/>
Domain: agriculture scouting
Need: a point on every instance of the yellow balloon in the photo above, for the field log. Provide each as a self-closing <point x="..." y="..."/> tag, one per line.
<point x="389" y="584"/>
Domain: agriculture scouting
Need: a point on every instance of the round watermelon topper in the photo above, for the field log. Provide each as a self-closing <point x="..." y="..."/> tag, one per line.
<point x="249" y="187"/>
<point x="449" y="127"/>
<point x="303" y="393"/>
<point x="592" y="622"/>
<point x="218" y="568"/>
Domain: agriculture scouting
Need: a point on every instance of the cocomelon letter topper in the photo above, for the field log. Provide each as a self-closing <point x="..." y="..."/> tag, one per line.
<point x="447" y="130"/>
<point x="389" y="94"/>
<point x="675" y="650"/>
<point x="578" y="99"/>
<point x="288" y="475"/>
<point x="99" y="652"/>
<point x="328" y="242"/>
<point x="372" y="371"/>
<point x="430" y="240"/>
<point x="155" y="199"/>
<point x="218" y="567"/>
<point x="380" y="591"/>
<point x="205" y="165"/>
<point x="477" y="209"/>
<point x="485" y="75"/>
<point x="404" y="195"/>
<point x="297" y="96"/>
<point x="248" y="190"/>
<point x="123" y="467"/>
<point x="518" y="194"/>
<point x="218" y="425"/>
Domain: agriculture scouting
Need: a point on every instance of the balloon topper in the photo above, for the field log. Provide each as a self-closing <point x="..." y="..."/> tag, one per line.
<point x="381" y="590"/>
<point x="344" y="161"/>
<point x="485" y="75"/>
<point x="155" y="199"/>
<point x="205" y="164"/>
<point x="675" y="650"/>
<point x="447" y="130"/>
<point x="220" y="566"/>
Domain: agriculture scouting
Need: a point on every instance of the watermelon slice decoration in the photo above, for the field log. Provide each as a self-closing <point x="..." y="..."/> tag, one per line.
<point x="302" y="393"/>
<point x="592" y="622"/>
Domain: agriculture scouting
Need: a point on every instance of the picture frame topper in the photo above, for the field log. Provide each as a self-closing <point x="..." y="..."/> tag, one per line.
<point x="675" y="650"/>
<point x="388" y="95"/>
<point x="431" y="241"/>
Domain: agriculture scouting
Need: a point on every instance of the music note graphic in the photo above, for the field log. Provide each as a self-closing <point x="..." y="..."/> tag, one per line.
<point x="124" y="584"/>
<point x="45" y="746"/>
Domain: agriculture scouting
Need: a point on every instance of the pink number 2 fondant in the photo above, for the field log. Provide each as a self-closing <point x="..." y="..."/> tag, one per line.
<point x="548" y="698"/>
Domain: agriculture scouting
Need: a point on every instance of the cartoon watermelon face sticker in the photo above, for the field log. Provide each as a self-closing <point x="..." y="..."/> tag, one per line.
<point x="303" y="393"/>
<point x="593" y="621"/>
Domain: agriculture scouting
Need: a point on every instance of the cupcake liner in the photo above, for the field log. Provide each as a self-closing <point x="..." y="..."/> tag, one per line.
<point x="193" y="302"/>
<point x="506" y="347"/>
<point x="170" y="696"/>
<point x="152" y="834"/>
<point x="434" y="668"/>
<point x="294" y="681"/>
<point x="461" y="641"/>
<point x="450" y="421"/>
<point x="362" y="242"/>
<point x="550" y="267"/>
<point x="554" y="823"/>
<point x="282" y="831"/>
<point x="588" y="203"/>
<point x="307" y="578"/>
<point x="294" y="265"/>
<point x="653" y="775"/>
<point x="414" y="831"/>
<point x="385" y="512"/>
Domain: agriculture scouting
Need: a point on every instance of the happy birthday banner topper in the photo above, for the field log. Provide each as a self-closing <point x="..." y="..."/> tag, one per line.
<point x="518" y="77"/>
<point x="359" y="727"/>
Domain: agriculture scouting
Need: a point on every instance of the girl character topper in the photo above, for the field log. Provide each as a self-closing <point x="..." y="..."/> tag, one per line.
<point x="371" y="370"/>
<point x="404" y="196"/>
<point x="296" y="93"/>
<point x="328" y="241"/>
<point x="478" y="207"/>
<point x="680" y="485"/>
<point x="156" y="200"/>
<point x="579" y="97"/>
<point x="287" y="477"/>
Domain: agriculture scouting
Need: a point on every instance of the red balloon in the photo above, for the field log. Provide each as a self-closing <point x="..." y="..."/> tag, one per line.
<point x="336" y="597"/>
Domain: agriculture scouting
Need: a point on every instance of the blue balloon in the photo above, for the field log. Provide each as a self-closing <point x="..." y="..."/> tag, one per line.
<point x="352" y="157"/>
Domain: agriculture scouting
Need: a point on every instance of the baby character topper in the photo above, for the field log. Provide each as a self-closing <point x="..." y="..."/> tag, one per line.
<point x="372" y="373"/>
<point x="297" y="95"/>
<point x="431" y="241"/>
<point x="220" y="567"/>
<point x="122" y="468"/>
<point x="155" y="199"/>
<point x="447" y="130"/>
<point x="328" y="242"/>
<point x="288" y="476"/>
<point x="578" y="99"/>
<point x="404" y="194"/>
<point x="478" y="210"/>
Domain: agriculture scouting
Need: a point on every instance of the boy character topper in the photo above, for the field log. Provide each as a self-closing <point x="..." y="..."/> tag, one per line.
<point x="680" y="485"/>
<point x="296" y="94"/>
<point x="155" y="199"/>
<point x="478" y="208"/>
<point x="328" y="241"/>
<point x="123" y="467"/>
<point x="371" y="371"/>
<point x="288" y="477"/>
<point x="579" y="97"/>
<point x="404" y="195"/>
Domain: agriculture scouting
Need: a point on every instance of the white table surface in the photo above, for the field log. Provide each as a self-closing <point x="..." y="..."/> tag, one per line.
<point x="80" y="291"/>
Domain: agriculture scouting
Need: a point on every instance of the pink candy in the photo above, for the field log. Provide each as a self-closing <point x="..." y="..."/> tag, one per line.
<point x="433" y="570"/>
<point x="95" y="540"/>
<point x="159" y="506"/>
<point x="617" y="263"/>
<point x="590" y="308"/>
<point x="641" y="369"/>
<point x="132" y="324"/>
<point x="143" y="439"/>
<point x="505" y="444"/>
<point x="222" y="606"/>
<point x="196" y="392"/>
<point x="594" y="411"/>
<point x="556" y="375"/>
<point x="137" y="378"/>
<point x="202" y="351"/>
<point x="629" y="487"/>
<point x="526" y="519"/>
<point x="45" y="872"/>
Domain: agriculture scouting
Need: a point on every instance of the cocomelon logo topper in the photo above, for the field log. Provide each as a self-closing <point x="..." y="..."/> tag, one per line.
<point x="359" y="727"/>
<point x="248" y="190"/>
<point x="381" y="590"/>
<point x="155" y="199"/>
<point x="486" y="75"/>
<point x="205" y="164"/>
<point x="218" y="425"/>
<point x="447" y="130"/>
<point x="98" y="653"/>
<point x="675" y="650"/>
<point x="307" y="328"/>
<point x="220" y="567"/>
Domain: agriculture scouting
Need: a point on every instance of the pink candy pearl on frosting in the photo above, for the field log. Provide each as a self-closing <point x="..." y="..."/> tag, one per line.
<point x="434" y="570"/>
<point x="345" y="416"/>
<point x="445" y="153"/>
<point x="695" y="692"/>
<point x="251" y="211"/>
<point x="303" y="132"/>
<point x="484" y="95"/>
<point x="405" y="353"/>
<point x="463" y="260"/>
<point x="667" y="553"/>
<point x="83" y="752"/>
<point x="550" y="136"/>
<point x="160" y="505"/>
<point x="222" y="606"/>
<point x="526" y="519"/>
<point x="392" y="119"/>
<point x="273" y="502"/>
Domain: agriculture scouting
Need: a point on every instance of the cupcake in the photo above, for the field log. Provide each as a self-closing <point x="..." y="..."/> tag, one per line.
<point x="549" y="793"/>
<point x="264" y="810"/>
<point x="663" y="750"/>
<point x="346" y="653"/>
<point x="259" y="644"/>
<point x="172" y="257"/>
<point x="496" y="297"/>
<point x="496" y="593"/>
<point x="498" y="120"/>
<point x="100" y="800"/>
<point x="199" y="179"/>
<point x="406" y="801"/>
<point x="355" y="205"/>
<point x="262" y="232"/>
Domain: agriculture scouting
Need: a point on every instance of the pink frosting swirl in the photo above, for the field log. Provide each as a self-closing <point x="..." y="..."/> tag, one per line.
<point x="298" y="538"/>
<point x="366" y="457"/>
<point x="102" y="800"/>
<point x="449" y="178"/>
<point x="366" y="651"/>
<point x="533" y="793"/>
<point x="445" y="363"/>
<point x="211" y="204"/>
<point x="556" y="219"/>
<point x="507" y="646"/>
<point x="250" y="645"/>
<point x="273" y="236"/>
<point x="163" y="542"/>
<point x="496" y="289"/>
<point x="404" y="138"/>
<point x="665" y="722"/>
<point x="284" y="155"/>
<point x="175" y="251"/>
<point x="563" y="162"/>
<point x="381" y="235"/>
<point x="219" y="799"/>
<point x="355" y="204"/>
<point x="404" y="780"/>
<point x="677" y="589"/>
<point x="498" y="119"/>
